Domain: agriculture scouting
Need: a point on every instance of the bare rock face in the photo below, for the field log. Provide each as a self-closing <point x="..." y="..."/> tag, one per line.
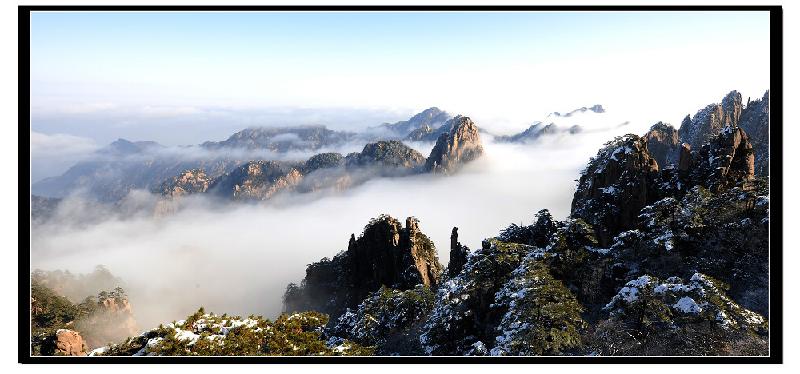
<point x="386" y="254"/>
<point x="663" y="144"/>
<point x="69" y="343"/>
<point x="615" y="186"/>
<point x="452" y="150"/>
<point x="710" y="120"/>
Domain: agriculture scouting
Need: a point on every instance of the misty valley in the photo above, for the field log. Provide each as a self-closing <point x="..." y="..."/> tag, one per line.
<point x="432" y="236"/>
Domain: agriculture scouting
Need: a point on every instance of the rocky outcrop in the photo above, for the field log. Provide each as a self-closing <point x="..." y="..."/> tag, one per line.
<point x="725" y="161"/>
<point x="663" y="144"/>
<point x="112" y="320"/>
<point x="186" y="183"/>
<point x="624" y="177"/>
<point x="257" y="181"/>
<point x="755" y="121"/>
<point x="710" y="120"/>
<point x="684" y="158"/>
<point x="69" y="343"/>
<point x="615" y="186"/>
<point x="456" y="148"/>
<point x="385" y="254"/>
<point x="458" y="255"/>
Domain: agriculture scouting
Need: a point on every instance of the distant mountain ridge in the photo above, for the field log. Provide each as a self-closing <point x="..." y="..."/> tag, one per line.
<point x="283" y="139"/>
<point x="555" y="123"/>
<point x="126" y="165"/>
<point x="431" y="118"/>
<point x="597" y="108"/>
<point x="260" y="180"/>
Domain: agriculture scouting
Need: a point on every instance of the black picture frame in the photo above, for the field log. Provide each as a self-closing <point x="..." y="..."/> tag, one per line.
<point x="776" y="198"/>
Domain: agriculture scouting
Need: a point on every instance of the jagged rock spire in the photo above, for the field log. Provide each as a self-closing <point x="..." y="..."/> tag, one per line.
<point x="461" y="145"/>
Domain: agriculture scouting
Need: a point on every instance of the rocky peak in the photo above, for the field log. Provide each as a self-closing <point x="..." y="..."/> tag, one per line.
<point x="732" y="108"/>
<point x="663" y="144"/>
<point x="385" y="254"/>
<point x="710" y="120"/>
<point x="390" y="153"/>
<point x="615" y="186"/>
<point x="429" y="118"/>
<point x="406" y="255"/>
<point x="461" y="145"/>
<point x="124" y="147"/>
<point x="458" y="254"/>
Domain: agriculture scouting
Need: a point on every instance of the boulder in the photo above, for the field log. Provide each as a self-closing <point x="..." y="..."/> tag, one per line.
<point x="69" y="343"/>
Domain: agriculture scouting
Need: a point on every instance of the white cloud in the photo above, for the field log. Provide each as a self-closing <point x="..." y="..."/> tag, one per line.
<point x="60" y="145"/>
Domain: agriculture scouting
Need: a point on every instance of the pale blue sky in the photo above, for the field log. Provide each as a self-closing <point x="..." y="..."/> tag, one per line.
<point x="504" y="68"/>
<point x="104" y="45"/>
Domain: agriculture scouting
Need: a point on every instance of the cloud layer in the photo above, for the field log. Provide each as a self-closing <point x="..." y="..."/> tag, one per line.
<point x="239" y="258"/>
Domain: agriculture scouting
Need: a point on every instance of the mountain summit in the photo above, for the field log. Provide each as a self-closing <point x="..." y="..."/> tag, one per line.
<point x="452" y="150"/>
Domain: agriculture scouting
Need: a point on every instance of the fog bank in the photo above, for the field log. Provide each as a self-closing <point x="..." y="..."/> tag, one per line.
<point x="238" y="259"/>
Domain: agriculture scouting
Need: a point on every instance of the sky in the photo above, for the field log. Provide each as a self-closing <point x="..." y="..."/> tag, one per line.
<point x="150" y="75"/>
